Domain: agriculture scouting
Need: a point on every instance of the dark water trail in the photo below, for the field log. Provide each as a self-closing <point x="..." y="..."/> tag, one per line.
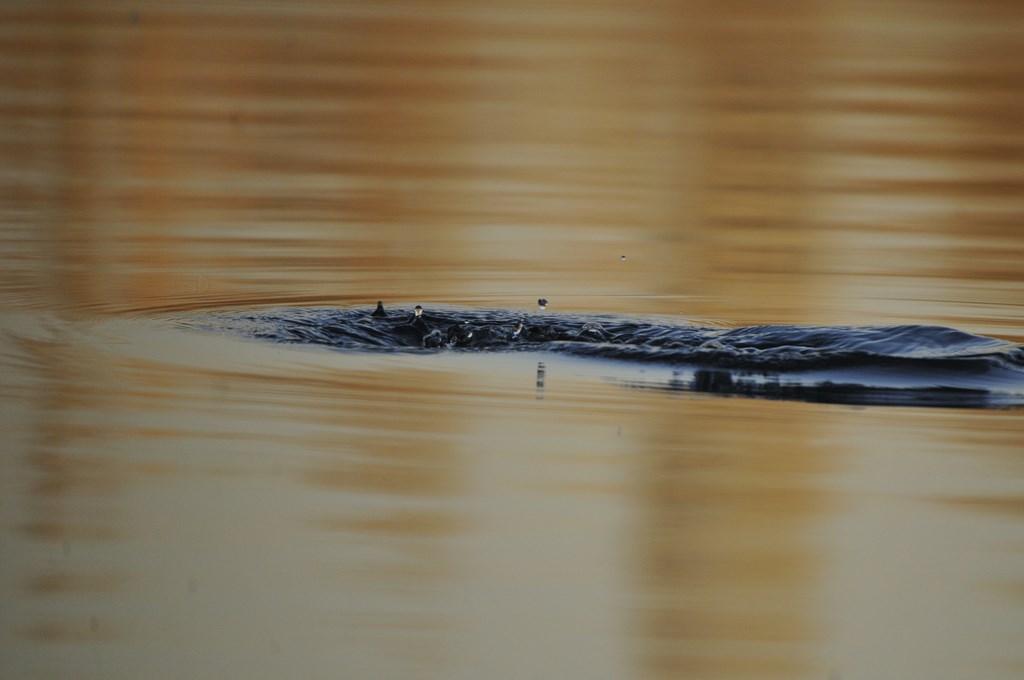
<point x="909" y="365"/>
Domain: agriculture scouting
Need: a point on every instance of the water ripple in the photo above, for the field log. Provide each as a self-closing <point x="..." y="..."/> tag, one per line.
<point x="909" y="364"/>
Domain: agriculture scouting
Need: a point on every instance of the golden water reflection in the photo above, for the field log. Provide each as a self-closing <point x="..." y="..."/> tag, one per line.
<point x="803" y="163"/>
<point x="431" y="516"/>
<point x="180" y="505"/>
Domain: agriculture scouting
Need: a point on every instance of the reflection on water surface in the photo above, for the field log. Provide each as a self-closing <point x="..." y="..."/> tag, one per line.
<point x="908" y="365"/>
<point x="187" y="505"/>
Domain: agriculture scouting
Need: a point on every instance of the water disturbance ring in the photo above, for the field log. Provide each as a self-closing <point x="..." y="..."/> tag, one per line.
<point x="908" y="365"/>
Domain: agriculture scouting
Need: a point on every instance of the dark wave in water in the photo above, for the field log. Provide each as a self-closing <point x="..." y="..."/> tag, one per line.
<point x="913" y="365"/>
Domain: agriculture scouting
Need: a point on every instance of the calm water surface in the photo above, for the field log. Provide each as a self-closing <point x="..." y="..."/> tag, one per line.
<point x="180" y="504"/>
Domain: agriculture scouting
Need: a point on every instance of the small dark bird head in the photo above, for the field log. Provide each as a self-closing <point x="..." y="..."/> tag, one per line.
<point x="419" y="311"/>
<point x="542" y="303"/>
<point x="380" y="310"/>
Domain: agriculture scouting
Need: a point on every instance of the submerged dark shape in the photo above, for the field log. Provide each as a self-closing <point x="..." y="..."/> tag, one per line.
<point x="414" y="330"/>
<point x="910" y="364"/>
<point x="827" y="391"/>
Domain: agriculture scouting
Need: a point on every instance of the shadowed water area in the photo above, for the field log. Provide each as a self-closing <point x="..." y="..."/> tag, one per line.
<point x="216" y="463"/>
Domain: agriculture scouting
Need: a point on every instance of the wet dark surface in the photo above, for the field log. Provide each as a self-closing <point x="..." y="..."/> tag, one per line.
<point x="899" y="365"/>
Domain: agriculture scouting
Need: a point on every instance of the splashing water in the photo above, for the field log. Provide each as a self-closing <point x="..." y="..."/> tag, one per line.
<point x="911" y="364"/>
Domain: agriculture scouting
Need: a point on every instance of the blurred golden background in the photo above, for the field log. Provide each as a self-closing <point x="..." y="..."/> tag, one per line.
<point x="807" y="161"/>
